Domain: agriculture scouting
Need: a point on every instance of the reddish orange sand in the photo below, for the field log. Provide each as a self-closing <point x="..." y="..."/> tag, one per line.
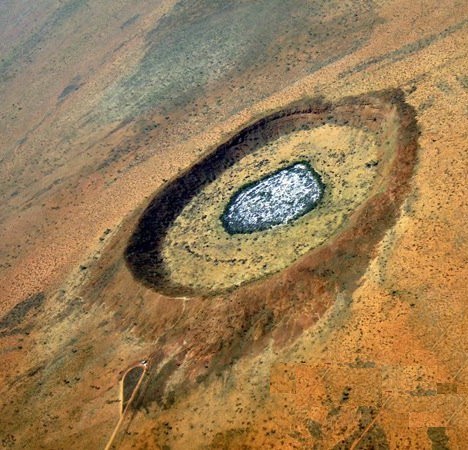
<point x="384" y="367"/>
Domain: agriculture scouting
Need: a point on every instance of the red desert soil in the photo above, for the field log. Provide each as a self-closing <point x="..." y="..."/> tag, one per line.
<point x="362" y="343"/>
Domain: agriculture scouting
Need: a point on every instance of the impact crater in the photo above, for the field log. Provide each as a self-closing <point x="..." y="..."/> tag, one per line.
<point x="280" y="188"/>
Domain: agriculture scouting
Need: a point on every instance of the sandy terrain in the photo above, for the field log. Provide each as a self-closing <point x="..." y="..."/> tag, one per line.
<point x="360" y="343"/>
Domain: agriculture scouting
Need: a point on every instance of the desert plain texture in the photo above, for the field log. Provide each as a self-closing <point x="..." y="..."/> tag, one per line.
<point x="343" y="332"/>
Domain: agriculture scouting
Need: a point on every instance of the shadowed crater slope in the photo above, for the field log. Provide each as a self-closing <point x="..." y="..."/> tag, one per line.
<point x="288" y="183"/>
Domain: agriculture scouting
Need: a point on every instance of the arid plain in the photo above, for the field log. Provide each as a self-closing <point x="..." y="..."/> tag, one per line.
<point x="354" y="340"/>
